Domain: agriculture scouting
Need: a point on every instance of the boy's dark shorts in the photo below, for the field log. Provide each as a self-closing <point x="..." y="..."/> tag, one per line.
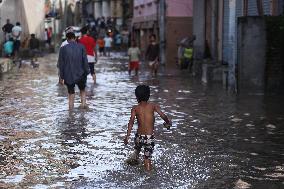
<point x="146" y="142"/>
<point x="81" y="85"/>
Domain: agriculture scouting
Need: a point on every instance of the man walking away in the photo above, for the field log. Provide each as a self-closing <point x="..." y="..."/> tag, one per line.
<point x="34" y="49"/>
<point x="108" y="42"/>
<point x="65" y="42"/>
<point x="152" y="54"/>
<point x="16" y="33"/>
<point x="7" y="29"/>
<point x="90" y="46"/>
<point x="74" y="68"/>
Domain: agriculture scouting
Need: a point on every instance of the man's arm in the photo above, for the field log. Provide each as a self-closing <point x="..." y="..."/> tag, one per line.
<point x="61" y="63"/>
<point x="95" y="50"/>
<point x="162" y="115"/>
<point x="130" y="125"/>
<point x="85" y="62"/>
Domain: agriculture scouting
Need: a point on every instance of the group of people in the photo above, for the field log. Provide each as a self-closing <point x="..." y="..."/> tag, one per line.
<point x="101" y="22"/>
<point x="12" y="43"/>
<point x="84" y="51"/>
<point x="105" y="45"/>
<point x="12" y="37"/>
<point x="76" y="60"/>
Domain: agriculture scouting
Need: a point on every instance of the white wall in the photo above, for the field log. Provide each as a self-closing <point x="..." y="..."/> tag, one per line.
<point x="30" y="13"/>
<point x="34" y="12"/>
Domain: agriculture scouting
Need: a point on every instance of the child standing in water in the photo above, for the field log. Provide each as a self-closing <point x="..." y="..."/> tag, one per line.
<point x="144" y="113"/>
<point x="134" y="56"/>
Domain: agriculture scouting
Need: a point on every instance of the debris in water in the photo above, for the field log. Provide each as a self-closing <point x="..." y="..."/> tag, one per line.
<point x="270" y="126"/>
<point x="236" y="120"/>
<point x="240" y="184"/>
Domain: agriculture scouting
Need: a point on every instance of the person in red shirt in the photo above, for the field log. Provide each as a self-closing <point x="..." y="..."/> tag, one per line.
<point x="49" y="35"/>
<point x="90" y="46"/>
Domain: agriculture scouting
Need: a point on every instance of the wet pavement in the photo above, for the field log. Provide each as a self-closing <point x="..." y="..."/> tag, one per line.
<point x="218" y="140"/>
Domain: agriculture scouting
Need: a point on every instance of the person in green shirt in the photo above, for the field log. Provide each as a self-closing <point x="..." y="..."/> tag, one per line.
<point x="187" y="55"/>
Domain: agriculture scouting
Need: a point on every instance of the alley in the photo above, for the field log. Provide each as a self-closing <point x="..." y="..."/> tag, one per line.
<point x="218" y="140"/>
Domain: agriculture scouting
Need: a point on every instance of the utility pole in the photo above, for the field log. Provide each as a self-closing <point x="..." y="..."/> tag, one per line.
<point x="162" y="30"/>
<point x="54" y="24"/>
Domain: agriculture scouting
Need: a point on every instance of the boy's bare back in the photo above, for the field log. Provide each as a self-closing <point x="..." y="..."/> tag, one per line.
<point x="144" y="113"/>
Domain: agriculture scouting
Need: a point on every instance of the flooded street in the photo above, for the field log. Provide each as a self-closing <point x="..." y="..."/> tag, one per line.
<point x="218" y="140"/>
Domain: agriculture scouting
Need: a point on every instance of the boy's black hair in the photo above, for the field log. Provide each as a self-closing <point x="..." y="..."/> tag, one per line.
<point x="70" y="36"/>
<point x="18" y="24"/>
<point x="142" y="93"/>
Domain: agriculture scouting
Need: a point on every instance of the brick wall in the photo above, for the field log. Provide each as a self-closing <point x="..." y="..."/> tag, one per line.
<point x="177" y="29"/>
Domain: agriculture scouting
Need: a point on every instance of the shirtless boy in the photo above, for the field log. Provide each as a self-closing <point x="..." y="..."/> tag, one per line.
<point x="144" y="113"/>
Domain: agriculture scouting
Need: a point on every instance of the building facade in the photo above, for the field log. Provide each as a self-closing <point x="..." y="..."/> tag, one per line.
<point x="146" y="18"/>
<point x="117" y="9"/>
<point x="215" y="27"/>
<point x="19" y="11"/>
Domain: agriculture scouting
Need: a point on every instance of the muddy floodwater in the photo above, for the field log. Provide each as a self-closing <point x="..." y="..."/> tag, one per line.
<point x="218" y="140"/>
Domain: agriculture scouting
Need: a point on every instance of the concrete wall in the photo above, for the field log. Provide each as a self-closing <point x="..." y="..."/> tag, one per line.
<point x="107" y="8"/>
<point x="35" y="16"/>
<point x="199" y="28"/>
<point x="252" y="53"/>
<point x="274" y="55"/>
<point x="145" y="8"/>
<point x="177" y="29"/>
<point x="30" y="13"/>
<point x="230" y="40"/>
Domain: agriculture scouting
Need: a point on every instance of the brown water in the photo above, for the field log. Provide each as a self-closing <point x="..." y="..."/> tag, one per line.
<point x="217" y="140"/>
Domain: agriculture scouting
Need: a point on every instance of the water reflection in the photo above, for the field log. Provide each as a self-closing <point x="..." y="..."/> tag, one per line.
<point x="217" y="141"/>
<point x="72" y="129"/>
